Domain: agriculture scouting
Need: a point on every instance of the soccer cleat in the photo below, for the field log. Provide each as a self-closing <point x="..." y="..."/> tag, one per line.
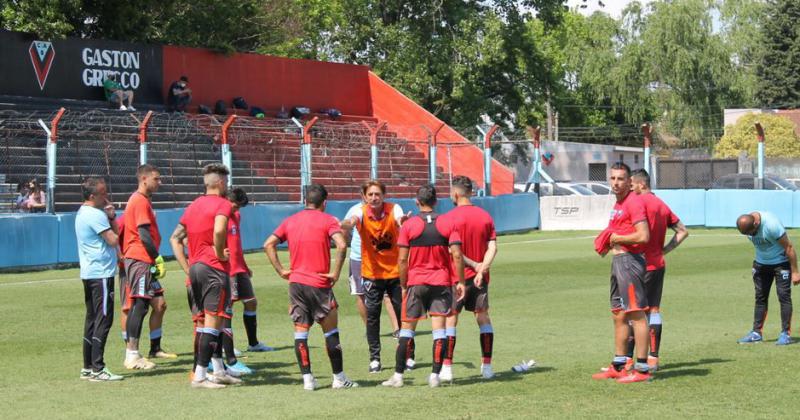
<point x="628" y="364"/>
<point x="375" y="366"/>
<point x="207" y="384"/>
<point x="486" y="371"/>
<point x="161" y="354"/>
<point x="434" y="380"/>
<point x="224" y="379"/>
<point x="239" y="368"/>
<point x="341" y="381"/>
<point x="652" y="363"/>
<point x="609" y="373"/>
<point x="446" y="373"/>
<point x="131" y="108"/>
<point x="751" y="337"/>
<point x="525" y="366"/>
<point x="635" y="376"/>
<point x="309" y="383"/>
<point x="139" y="363"/>
<point x="259" y="348"/>
<point x="105" y="375"/>
<point x="395" y="381"/>
<point x="86" y="373"/>
<point x="784" y="339"/>
<point x="410" y="363"/>
<point x="123" y="108"/>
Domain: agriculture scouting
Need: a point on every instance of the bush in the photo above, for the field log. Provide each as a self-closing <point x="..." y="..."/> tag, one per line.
<point x="780" y="137"/>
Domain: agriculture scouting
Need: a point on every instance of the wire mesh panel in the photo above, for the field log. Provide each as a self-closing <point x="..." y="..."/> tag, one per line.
<point x="693" y="173"/>
<point x="22" y="156"/>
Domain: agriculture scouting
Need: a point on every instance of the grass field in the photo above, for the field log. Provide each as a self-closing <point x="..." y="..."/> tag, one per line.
<point x="549" y="299"/>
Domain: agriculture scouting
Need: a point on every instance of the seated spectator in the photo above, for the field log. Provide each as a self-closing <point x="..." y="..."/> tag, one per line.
<point x="179" y="95"/>
<point x="22" y="197"/>
<point x="115" y="94"/>
<point x="37" y="200"/>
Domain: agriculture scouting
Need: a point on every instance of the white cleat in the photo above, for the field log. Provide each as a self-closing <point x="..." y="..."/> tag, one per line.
<point x="434" y="381"/>
<point x="341" y="381"/>
<point x="309" y="383"/>
<point x="395" y="381"/>
<point x="524" y="366"/>
<point x="224" y="379"/>
<point x="123" y="108"/>
<point x="446" y="375"/>
<point x="207" y="384"/>
<point x="131" y="108"/>
<point x="139" y="363"/>
<point x="259" y="348"/>
<point x="486" y="371"/>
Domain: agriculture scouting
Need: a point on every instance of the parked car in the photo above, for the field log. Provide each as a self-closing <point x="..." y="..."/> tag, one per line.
<point x="748" y="182"/>
<point x="598" y="188"/>
<point x="556" y="188"/>
<point x="795" y="181"/>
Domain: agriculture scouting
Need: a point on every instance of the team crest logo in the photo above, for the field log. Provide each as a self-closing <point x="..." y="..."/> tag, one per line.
<point x="42" y="54"/>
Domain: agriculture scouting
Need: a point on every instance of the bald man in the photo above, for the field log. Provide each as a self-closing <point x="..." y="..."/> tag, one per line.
<point x="775" y="259"/>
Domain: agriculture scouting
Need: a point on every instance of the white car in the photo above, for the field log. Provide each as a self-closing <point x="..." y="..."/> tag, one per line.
<point x="598" y="188"/>
<point x="556" y="188"/>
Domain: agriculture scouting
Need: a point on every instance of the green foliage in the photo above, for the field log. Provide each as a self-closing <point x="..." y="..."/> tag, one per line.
<point x="779" y="68"/>
<point x="781" y="140"/>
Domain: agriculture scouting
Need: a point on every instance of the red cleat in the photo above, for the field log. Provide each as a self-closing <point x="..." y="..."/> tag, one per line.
<point x="636" y="376"/>
<point x="609" y="373"/>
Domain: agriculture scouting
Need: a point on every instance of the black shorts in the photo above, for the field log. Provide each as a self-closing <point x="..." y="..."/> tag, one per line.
<point x="139" y="282"/>
<point x="421" y="300"/>
<point x="242" y="288"/>
<point x="308" y="303"/>
<point x="210" y="290"/>
<point x="475" y="299"/>
<point x="653" y="287"/>
<point x="123" y="281"/>
<point x="627" y="283"/>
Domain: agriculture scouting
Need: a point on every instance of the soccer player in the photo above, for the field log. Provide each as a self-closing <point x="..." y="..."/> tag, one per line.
<point x="776" y="259"/>
<point x="205" y="224"/>
<point x="378" y="224"/>
<point x="140" y="249"/>
<point x="659" y="218"/>
<point x="426" y="245"/>
<point x="311" y="280"/>
<point x="626" y="236"/>
<point x="97" y="242"/>
<point x="479" y="248"/>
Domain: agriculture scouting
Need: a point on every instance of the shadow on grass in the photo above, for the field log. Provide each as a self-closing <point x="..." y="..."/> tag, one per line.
<point x="683" y="372"/>
<point x="700" y="362"/>
<point x="505" y="376"/>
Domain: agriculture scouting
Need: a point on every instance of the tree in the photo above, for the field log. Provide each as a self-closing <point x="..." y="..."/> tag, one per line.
<point x="779" y="68"/>
<point x="780" y="134"/>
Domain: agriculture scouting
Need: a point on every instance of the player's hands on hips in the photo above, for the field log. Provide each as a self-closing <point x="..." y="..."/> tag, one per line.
<point x="796" y="278"/>
<point x="460" y="291"/>
<point x="330" y="276"/>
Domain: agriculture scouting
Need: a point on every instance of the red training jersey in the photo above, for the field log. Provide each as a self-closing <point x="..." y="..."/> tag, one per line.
<point x="198" y="219"/>
<point x="309" y="235"/>
<point x="428" y="237"/>
<point x="475" y="228"/>
<point x="139" y="212"/>
<point x="236" y="259"/>
<point x="627" y="213"/>
<point x="659" y="218"/>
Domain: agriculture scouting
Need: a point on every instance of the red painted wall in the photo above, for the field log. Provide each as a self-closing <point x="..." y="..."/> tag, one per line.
<point x="269" y="82"/>
<point x="390" y="105"/>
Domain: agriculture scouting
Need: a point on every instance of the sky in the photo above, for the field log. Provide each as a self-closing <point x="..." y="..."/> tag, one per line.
<point x="612" y="7"/>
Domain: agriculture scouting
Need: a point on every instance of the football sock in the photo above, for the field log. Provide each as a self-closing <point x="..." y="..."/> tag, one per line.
<point x="450" y="333"/>
<point x="487" y="343"/>
<point x="404" y="344"/>
<point x="301" y="351"/>
<point x="334" y="348"/>
<point x="631" y="344"/>
<point x="208" y="346"/>
<point x="619" y="362"/>
<point x="227" y="343"/>
<point x="655" y="333"/>
<point x="250" y="325"/>
<point x="155" y="341"/>
<point x="439" y="350"/>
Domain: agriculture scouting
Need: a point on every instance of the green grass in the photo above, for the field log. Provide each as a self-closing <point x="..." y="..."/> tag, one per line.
<point x="549" y="298"/>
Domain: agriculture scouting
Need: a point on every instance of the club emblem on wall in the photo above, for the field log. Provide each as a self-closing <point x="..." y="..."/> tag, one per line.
<point x="42" y="54"/>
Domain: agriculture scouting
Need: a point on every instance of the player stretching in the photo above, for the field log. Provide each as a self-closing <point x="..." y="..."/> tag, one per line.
<point x="479" y="247"/>
<point x="140" y="250"/>
<point x="775" y="259"/>
<point x="311" y="280"/>
<point x="659" y="218"/>
<point x="378" y="225"/>
<point x="626" y="236"/>
<point x="426" y="245"/>
<point x="205" y="224"/>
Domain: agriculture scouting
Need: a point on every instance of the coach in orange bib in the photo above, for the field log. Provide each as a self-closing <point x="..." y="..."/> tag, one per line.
<point x="378" y="224"/>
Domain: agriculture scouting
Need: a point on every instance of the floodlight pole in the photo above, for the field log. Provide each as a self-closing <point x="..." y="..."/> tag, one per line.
<point x="487" y="157"/>
<point x="760" y="138"/>
<point x="51" y="152"/>
<point x="227" y="157"/>
<point x="432" y="154"/>
<point x="143" y="138"/>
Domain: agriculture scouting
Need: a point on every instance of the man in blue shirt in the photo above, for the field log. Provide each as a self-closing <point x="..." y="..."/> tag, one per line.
<point x="97" y="251"/>
<point x="775" y="258"/>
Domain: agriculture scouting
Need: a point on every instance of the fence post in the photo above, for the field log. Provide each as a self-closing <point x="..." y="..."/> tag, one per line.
<point x="143" y="138"/>
<point x="51" y="152"/>
<point x="647" y="144"/>
<point x="227" y="157"/>
<point x="487" y="158"/>
<point x="373" y="147"/>
<point x="432" y="154"/>
<point x="535" y="134"/>
<point x="760" y="137"/>
<point x="305" y="154"/>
